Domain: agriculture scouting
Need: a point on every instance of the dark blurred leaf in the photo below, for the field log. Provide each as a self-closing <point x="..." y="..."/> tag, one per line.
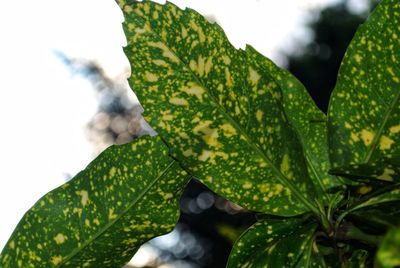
<point x="388" y="254"/>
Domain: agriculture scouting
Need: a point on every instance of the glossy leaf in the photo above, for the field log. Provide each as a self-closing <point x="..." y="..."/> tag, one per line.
<point x="384" y="169"/>
<point x="216" y="108"/>
<point x="309" y="122"/>
<point x="364" y="110"/>
<point x="373" y="200"/>
<point x="388" y="254"/>
<point x="276" y="243"/>
<point x="126" y="196"/>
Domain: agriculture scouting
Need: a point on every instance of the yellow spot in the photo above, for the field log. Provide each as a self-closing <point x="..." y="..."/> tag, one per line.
<point x="253" y="76"/>
<point x="96" y="221"/>
<point x="259" y="115"/>
<point x="347" y="125"/>
<point x="278" y="189"/>
<point x="395" y="129"/>
<point x="367" y="136"/>
<point x="386" y="175"/>
<point x="184" y="32"/>
<point x="12" y="244"/>
<point x="364" y="189"/>
<point x="155" y="15"/>
<point x="160" y="63"/>
<point x="56" y="259"/>
<point x="166" y="52"/>
<point x="87" y="222"/>
<point x="208" y="65"/>
<point x="200" y="66"/>
<point x="178" y="101"/>
<point x="60" y="238"/>
<point x="385" y="143"/>
<point x="210" y="134"/>
<point x="205" y="154"/>
<point x="290" y="255"/>
<point x="84" y="197"/>
<point x="77" y="210"/>
<point x="247" y="185"/>
<point x="196" y="90"/>
<point x="168" y="196"/>
<point x="228" y="129"/>
<point x="188" y="152"/>
<point x="199" y="31"/>
<point x="111" y="214"/>
<point x="358" y="58"/>
<point x="228" y="78"/>
<point x="151" y="77"/>
<point x="226" y="59"/>
<point x="285" y="164"/>
<point x="354" y="137"/>
<point x="112" y="172"/>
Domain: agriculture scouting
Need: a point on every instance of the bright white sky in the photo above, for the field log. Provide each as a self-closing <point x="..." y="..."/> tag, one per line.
<point x="43" y="109"/>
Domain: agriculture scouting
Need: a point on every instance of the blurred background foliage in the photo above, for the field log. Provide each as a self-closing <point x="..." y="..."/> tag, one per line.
<point x="209" y="224"/>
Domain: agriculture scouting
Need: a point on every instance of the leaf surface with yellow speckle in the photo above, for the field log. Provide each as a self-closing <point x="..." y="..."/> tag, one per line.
<point x="364" y="110"/>
<point x="308" y="121"/>
<point x="277" y="243"/>
<point x="126" y="196"/>
<point x="217" y="109"/>
<point x="386" y="169"/>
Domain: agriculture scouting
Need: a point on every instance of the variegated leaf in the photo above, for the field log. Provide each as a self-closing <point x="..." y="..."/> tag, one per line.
<point x="126" y="196"/>
<point x="364" y="110"/>
<point x="384" y="169"/>
<point x="217" y="109"/>
<point x="277" y="243"/>
<point x="309" y="122"/>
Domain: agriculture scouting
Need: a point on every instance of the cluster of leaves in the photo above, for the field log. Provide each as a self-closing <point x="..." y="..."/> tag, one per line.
<point x="325" y="188"/>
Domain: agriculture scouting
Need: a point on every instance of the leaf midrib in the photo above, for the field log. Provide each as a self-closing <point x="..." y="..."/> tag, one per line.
<point x="284" y="180"/>
<point x="378" y="135"/>
<point x="107" y="226"/>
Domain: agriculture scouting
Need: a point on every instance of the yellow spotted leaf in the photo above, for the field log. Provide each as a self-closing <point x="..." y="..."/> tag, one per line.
<point x="308" y="121"/>
<point x="277" y="243"/>
<point x="216" y="108"/>
<point x="126" y="196"/>
<point x="364" y="110"/>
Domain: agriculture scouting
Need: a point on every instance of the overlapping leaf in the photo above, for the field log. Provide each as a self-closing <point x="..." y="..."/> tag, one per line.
<point x="309" y="122"/>
<point x="276" y="243"/>
<point x="384" y="169"/>
<point x="125" y="197"/>
<point x="364" y="110"/>
<point x="388" y="254"/>
<point x="217" y="108"/>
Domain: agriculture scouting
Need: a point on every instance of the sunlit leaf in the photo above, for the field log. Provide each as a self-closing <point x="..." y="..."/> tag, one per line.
<point x="388" y="254"/>
<point x="276" y="243"/>
<point x="309" y="122"/>
<point x="364" y="110"/>
<point x="217" y="108"/>
<point x="123" y="198"/>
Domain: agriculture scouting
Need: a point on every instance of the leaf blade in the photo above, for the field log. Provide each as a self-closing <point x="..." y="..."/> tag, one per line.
<point x="364" y="110"/>
<point x="87" y="220"/>
<point x="276" y="243"/>
<point x="207" y="127"/>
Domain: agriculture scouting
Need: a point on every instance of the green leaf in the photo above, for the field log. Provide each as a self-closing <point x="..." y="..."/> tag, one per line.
<point x="388" y="254"/>
<point x="276" y="243"/>
<point x="308" y="121"/>
<point x="216" y="108"/>
<point x="359" y="259"/>
<point x="386" y="169"/>
<point x="126" y="196"/>
<point x="373" y="200"/>
<point x="364" y="110"/>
